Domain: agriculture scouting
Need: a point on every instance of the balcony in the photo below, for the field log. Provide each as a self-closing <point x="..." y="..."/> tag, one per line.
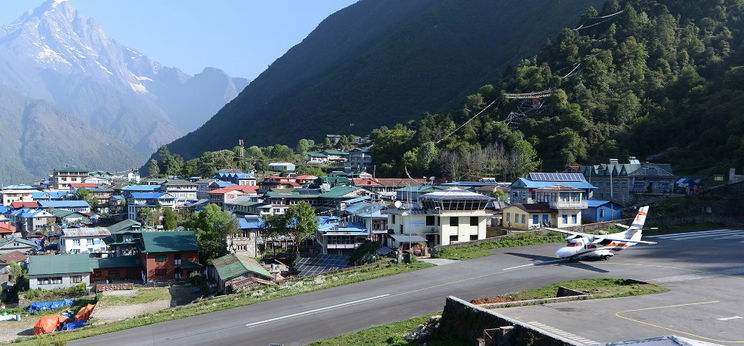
<point x="568" y="204"/>
<point x="343" y="246"/>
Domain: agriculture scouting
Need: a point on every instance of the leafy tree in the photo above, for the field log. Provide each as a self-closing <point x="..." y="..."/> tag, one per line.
<point x="304" y="145"/>
<point x="83" y="194"/>
<point x="275" y="226"/>
<point x="170" y="219"/>
<point x="301" y="222"/>
<point x="153" y="170"/>
<point x="212" y="225"/>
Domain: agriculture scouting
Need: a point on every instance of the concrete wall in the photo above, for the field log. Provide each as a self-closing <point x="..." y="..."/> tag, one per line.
<point x="468" y="322"/>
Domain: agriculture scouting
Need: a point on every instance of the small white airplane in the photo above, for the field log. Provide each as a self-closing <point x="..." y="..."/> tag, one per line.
<point x="598" y="246"/>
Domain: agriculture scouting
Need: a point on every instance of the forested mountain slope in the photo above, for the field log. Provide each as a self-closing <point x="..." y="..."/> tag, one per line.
<point x="380" y="62"/>
<point x="655" y="79"/>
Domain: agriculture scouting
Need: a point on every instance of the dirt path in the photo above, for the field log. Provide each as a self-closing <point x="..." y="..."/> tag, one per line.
<point x="120" y="312"/>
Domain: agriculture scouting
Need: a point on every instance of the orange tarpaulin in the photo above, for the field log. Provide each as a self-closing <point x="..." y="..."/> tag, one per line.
<point x="48" y="324"/>
<point x="84" y="313"/>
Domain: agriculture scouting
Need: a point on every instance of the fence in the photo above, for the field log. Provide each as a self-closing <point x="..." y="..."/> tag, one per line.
<point x="119" y="286"/>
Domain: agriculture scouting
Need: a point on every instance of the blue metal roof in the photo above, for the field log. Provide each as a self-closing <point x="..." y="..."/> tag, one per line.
<point x="593" y="203"/>
<point x="4" y="209"/>
<point x="141" y="188"/>
<point x="148" y="195"/>
<point x="49" y="195"/>
<point x="530" y="184"/>
<point x="64" y="204"/>
<point x="252" y="223"/>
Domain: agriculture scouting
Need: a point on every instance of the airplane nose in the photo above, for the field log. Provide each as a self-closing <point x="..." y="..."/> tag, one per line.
<point x="563" y="252"/>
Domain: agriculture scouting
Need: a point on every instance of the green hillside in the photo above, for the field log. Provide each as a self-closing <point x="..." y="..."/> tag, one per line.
<point x="37" y="137"/>
<point x="379" y="62"/>
<point x="660" y="80"/>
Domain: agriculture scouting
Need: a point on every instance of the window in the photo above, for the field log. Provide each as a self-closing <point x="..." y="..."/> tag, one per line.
<point x="535" y="220"/>
<point x="601" y="212"/>
<point x="453" y="238"/>
<point x="161" y="258"/>
<point x="473" y="237"/>
<point x="49" y="281"/>
<point x="393" y="218"/>
<point x="564" y="218"/>
<point x="508" y="217"/>
<point x="546" y="220"/>
<point x="76" y="242"/>
<point x="430" y="220"/>
<point x="76" y="279"/>
<point x="177" y="258"/>
<point x="453" y="221"/>
<point x="574" y="219"/>
<point x="401" y="229"/>
<point x="473" y="221"/>
<point x="524" y="218"/>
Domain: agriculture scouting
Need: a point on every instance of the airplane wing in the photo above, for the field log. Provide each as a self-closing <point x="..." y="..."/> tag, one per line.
<point x="569" y="232"/>
<point x="622" y="226"/>
<point x="630" y="241"/>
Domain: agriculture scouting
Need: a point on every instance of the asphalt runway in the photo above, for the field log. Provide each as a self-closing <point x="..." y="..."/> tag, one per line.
<point x="699" y="268"/>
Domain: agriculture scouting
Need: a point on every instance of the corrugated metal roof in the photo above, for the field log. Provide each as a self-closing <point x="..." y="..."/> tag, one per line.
<point x="59" y="264"/>
<point x="234" y="265"/>
<point x="64" y="204"/>
<point x="172" y="241"/>
<point x="529" y="184"/>
<point x="116" y="262"/>
<point x="86" y="232"/>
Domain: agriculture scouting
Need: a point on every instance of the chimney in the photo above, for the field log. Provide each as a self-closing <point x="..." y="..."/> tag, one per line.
<point x="614" y="161"/>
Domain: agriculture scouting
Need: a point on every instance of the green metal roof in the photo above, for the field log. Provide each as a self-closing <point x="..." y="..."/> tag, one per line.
<point x="172" y="241"/>
<point x="316" y="155"/>
<point x="335" y="152"/>
<point x="291" y="194"/>
<point x="59" y="264"/>
<point x="10" y="241"/>
<point x="234" y="265"/>
<point x="123" y="226"/>
<point x="116" y="262"/>
<point x="190" y="265"/>
<point x="339" y="191"/>
<point x="70" y="170"/>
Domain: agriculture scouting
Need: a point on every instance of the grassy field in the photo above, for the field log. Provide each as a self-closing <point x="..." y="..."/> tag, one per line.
<point x="199" y="307"/>
<point x="682" y="227"/>
<point x="598" y="288"/>
<point x="141" y="296"/>
<point x="484" y="249"/>
<point x="388" y="334"/>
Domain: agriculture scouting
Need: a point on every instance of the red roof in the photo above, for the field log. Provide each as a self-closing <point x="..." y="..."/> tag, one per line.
<point x="13" y="257"/>
<point x="241" y="188"/>
<point x="7" y="228"/>
<point x="19" y="205"/>
<point x="365" y="182"/>
<point x="79" y="185"/>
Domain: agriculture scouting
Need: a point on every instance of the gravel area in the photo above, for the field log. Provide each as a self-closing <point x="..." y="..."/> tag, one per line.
<point x="120" y="312"/>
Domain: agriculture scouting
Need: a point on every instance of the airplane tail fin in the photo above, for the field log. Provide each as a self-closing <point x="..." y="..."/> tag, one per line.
<point x="636" y="228"/>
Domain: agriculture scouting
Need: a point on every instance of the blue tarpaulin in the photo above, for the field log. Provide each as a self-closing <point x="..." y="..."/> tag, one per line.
<point x="34" y="307"/>
<point x="73" y="325"/>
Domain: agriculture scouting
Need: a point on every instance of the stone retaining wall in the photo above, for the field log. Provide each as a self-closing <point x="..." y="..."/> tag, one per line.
<point x="468" y="322"/>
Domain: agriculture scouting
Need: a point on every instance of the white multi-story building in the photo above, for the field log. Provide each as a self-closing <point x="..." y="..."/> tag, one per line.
<point x="63" y="177"/>
<point x="83" y="240"/>
<point x="441" y="218"/>
<point x="181" y="190"/>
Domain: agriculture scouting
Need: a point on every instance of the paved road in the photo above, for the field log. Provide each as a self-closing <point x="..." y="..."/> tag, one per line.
<point x="322" y="314"/>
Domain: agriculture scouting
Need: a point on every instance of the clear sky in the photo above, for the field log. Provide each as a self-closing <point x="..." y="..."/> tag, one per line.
<point x="241" y="37"/>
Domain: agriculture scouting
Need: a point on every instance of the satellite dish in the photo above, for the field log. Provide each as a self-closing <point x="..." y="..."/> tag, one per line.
<point x="398" y="204"/>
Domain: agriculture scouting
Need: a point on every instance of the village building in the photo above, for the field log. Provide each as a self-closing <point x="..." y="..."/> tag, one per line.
<point x="282" y="167"/>
<point x="83" y="240"/>
<point x="237" y="178"/>
<point x="18" y="244"/>
<point x="246" y="240"/>
<point x="69" y="205"/>
<point x="226" y="194"/>
<point x="317" y="159"/>
<point x="125" y="237"/>
<point x="182" y="190"/>
<point x="360" y="159"/>
<point x="600" y="211"/>
<point x="139" y="200"/>
<point x="336" y="238"/>
<point x="116" y="268"/>
<point x="170" y="255"/>
<point x="58" y="271"/>
<point x="632" y="182"/>
<point x="237" y="271"/>
<point x="11" y="194"/>
<point x="443" y="218"/>
<point x="32" y="220"/>
<point x="63" y="177"/>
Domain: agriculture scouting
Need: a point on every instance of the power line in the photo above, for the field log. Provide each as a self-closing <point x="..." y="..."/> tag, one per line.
<point x="468" y="121"/>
